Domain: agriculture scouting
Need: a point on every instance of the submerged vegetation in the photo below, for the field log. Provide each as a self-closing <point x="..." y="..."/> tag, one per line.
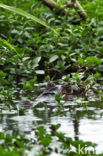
<point x="38" y="45"/>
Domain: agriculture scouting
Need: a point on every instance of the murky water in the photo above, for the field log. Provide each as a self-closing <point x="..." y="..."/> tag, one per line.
<point x="84" y="123"/>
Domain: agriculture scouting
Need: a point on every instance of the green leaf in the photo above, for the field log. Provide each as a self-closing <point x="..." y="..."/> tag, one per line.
<point x="27" y="86"/>
<point x="80" y="60"/>
<point x="1" y="135"/>
<point x="41" y="130"/>
<point x="7" y="44"/>
<point x="53" y="58"/>
<point x="2" y="74"/>
<point x="36" y="61"/>
<point x="46" y="140"/>
<point x="27" y="15"/>
<point x="40" y="72"/>
<point x="33" y="80"/>
<point x="93" y="61"/>
<point x="58" y="97"/>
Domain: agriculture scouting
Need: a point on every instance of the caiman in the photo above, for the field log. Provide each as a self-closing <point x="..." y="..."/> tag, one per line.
<point x="69" y="92"/>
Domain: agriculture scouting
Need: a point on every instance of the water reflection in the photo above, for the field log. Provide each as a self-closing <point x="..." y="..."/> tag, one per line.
<point x="76" y="129"/>
<point x="78" y="123"/>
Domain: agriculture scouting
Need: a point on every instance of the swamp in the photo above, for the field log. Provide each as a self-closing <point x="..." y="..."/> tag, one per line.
<point x="51" y="78"/>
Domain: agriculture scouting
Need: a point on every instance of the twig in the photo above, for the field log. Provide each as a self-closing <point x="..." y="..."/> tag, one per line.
<point x="70" y="4"/>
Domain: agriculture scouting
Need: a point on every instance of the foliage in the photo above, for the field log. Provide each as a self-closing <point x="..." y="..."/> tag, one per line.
<point x="25" y="14"/>
<point x="12" y="145"/>
<point x="41" y="52"/>
<point x="30" y="53"/>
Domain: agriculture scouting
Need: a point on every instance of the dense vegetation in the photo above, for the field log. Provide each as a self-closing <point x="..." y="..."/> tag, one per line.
<point x="70" y="49"/>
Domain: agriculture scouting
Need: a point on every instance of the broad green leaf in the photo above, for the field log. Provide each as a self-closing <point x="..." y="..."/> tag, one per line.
<point x="26" y="58"/>
<point x="2" y="74"/>
<point x="2" y="135"/>
<point x="41" y="72"/>
<point x="46" y="140"/>
<point x="53" y="58"/>
<point x="33" y="80"/>
<point x="93" y="61"/>
<point x="80" y="60"/>
<point x="27" y="15"/>
<point x="27" y="85"/>
<point x="36" y="61"/>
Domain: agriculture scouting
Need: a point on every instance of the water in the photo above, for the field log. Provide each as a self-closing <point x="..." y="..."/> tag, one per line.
<point x="84" y="123"/>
